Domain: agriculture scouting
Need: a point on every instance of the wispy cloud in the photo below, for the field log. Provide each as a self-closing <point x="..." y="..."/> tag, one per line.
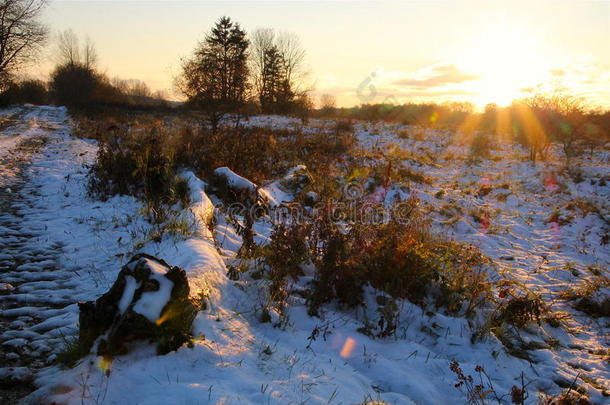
<point x="436" y="76"/>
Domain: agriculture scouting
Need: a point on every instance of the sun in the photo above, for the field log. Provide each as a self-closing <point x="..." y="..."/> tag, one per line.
<point x="508" y="57"/>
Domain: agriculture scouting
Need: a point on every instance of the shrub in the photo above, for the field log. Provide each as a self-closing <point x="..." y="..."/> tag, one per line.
<point x="258" y="154"/>
<point x="343" y="126"/>
<point x="77" y="85"/>
<point x="73" y="85"/>
<point x="34" y="92"/>
<point x="283" y="257"/>
<point x="401" y="258"/>
<point x="136" y="161"/>
<point x="28" y="91"/>
<point x="479" y="146"/>
<point x="337" y="274"/>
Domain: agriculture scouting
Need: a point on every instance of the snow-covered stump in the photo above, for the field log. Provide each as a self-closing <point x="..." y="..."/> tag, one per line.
<point x="148" y="301"/>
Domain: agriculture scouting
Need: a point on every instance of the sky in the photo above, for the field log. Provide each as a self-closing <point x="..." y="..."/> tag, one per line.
<point x="368" y="51"/>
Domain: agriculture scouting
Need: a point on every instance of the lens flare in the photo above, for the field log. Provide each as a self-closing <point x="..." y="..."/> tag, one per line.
<point x="348" y="348"/>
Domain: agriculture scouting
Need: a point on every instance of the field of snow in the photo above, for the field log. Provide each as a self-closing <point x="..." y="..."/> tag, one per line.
<point x="59" y="246"/>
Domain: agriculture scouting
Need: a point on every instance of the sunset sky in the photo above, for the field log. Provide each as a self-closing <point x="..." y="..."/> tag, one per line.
<point x="478" y="51"/>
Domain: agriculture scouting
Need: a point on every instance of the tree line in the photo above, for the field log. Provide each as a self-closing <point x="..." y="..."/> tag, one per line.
<point x="228" y="72"/>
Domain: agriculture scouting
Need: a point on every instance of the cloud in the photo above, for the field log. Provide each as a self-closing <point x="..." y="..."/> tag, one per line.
<point x="437" y="76"/>
<point x="439" y="93"/>
<point x="557" y="72"/>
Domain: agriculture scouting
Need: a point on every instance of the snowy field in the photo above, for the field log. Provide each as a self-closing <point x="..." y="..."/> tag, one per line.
<point x="58" y="247"/>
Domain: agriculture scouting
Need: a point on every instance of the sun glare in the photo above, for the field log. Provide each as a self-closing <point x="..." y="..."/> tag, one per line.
<point x="507" y="57"/>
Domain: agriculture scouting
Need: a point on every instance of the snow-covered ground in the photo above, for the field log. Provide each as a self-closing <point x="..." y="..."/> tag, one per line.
<point x="59" y="247"/>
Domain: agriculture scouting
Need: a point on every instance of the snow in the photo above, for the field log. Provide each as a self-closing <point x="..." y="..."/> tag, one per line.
<point x="80" y="244"/>
<point x="235" y="180"/>
<point x="151" y="303"/>
<point x="277" y="192"/>
<point x="201" y="207"/>
<point x="130" y="288"/>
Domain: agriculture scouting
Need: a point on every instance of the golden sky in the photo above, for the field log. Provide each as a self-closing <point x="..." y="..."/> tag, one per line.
<point x="370" y="51"/>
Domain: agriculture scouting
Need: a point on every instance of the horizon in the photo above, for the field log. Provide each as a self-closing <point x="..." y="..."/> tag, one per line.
<point x="408" y="51"/>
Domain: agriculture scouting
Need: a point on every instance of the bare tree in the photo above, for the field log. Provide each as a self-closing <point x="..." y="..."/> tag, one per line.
<point x="293" y="58"/>
<point x="89" y="53"/>
<point x="328" y="104"/>
<point x="121" y="84"/>
<point x="138" y="88"/>
<point x="70" y="53"/>
<point x="556" y="115"/>
<point x="277" y="63"/>
<point x="262" y="40"/>
<point x="21" y="34"/>
<point x="68" y="49"/>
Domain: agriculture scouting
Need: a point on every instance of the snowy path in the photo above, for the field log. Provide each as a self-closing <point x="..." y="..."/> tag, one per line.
<point x="53" y="239"/>
<point x="57" y="245"/>
<point x="34" y="295"/>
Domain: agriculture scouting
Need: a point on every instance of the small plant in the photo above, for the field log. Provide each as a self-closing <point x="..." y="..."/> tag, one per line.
<point x="482" y="391"/>
<point x="414" y="175"/>
<point x="587" y="297"/>
<point x="71" y="352"/>
<point x="180" y="191"/>
<point x="519" y="309"/>
<point x="388" y="316"/>
<point x="283" y="258"/>
<point x="477" y="392"/>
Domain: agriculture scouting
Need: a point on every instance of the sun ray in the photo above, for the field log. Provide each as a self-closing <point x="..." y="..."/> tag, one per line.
<point x="507" y="56"/>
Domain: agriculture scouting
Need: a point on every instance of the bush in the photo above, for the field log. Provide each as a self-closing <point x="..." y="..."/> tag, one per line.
<point x="33" y="92"/>
<point x="28" y="91"/>
<point x="73" y="85"/>
<point x="405" y="260"/>
<point x="479" y="146"/>
<point x="136" y="161"/>
<point x="344" y="126"/>
<point x="139" y="154"/>
<point x="283" y="258"/>
<point x="258" y="154"/>
<point x="76" y="85"/>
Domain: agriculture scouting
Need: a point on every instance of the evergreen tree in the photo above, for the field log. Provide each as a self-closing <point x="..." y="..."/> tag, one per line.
<point x="271" y="79"/>
<point x="215" y="79"/>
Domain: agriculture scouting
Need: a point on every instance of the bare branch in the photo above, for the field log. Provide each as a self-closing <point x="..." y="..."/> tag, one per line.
<point x="21" y="34"/>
